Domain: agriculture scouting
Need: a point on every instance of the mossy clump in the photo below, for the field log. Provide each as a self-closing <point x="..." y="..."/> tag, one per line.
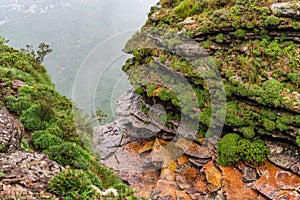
<point x="233" y="148"/>
<point x="256" y="59"/>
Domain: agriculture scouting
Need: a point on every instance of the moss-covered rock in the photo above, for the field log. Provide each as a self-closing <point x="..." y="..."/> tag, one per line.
<point x="242" y="50"/>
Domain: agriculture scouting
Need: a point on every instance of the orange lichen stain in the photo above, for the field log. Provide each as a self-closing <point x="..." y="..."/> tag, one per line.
<point x="286" y="194"/>
<point x="233" y="185"/>
<point x="213" y="176"/>
<point x="200" y="185"/>
<point x="190" y="174"/>
<point x="200" y="140"/>
<point x="275" y="179"/>
<point x="158" y="90"/>
<point x="133" y="147"/>
<point x="147" y="147"/>
<point x="182" y="160"/>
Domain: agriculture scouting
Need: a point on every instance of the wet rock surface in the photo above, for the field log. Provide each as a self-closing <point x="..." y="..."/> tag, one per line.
<point x="25" y="175"/>
<point x="177" y="168"/>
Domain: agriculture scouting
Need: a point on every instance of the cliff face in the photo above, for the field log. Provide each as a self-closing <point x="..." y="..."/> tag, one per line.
<point x="216" y="103"/>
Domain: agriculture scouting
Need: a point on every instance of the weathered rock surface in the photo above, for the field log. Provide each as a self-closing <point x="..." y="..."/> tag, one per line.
<point x="287" y="9"/>
<point x="11" y="131"/>
<point x="251" y="48"/>
<point x="25" y="175"/>
<point x="284" y="155"/>
<point x="183" y="169"/>
<point x="16" y="84"/>
<point x="276" y="183"/>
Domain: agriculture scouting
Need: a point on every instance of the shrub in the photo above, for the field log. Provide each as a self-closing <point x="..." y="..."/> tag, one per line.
<point x="44" y="140"/>
<point x="68" y="153"/>
<point x="74" y="184"/>
<point x="31" y="118"/>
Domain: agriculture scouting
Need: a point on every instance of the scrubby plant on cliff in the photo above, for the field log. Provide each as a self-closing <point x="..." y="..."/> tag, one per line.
<point x="75" y="184"/>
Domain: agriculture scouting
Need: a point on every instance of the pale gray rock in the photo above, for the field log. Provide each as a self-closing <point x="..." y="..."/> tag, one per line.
<point x="287" y="9"/>
<point x="284" y="155"/>
<point x="26" y="175"/>
<point x="11" y="131"/>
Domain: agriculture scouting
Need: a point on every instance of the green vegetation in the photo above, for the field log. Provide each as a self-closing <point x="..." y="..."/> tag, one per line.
<point x="54" y="125"/>
<point x="75" y="184"/>
<point x="233" y="148"/>
<point x="257" y="57"/>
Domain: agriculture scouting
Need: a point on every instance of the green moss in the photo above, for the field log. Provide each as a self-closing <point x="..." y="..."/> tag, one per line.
<point x="272" y="21"/>
<point x="298" y="141"/>
<point x="150" y="89"/>
<point x="281" y="125"/>
<point x="228" y="149"/>
<point x="44" y="140"/>
<point x="2" y="148"/>
<point x="165" y="95"/>
<point x="269" y="125"/>
<point x="188" y="8"/>
<point x="139" y="90"/>
<point x="252" y="152"/>
<point x="145" y="109"/>
<point x="68" y="153"/>
<point x="240" y="33"/>
<point x="220" y="38"/>
<point x="248" y="132"/>
<point x="232" y="148"/>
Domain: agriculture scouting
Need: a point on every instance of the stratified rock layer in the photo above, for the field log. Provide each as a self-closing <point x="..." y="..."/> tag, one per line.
<point x="181" y="169"/>
<point x="26" y="175"/>
<point x="205" y="69"/>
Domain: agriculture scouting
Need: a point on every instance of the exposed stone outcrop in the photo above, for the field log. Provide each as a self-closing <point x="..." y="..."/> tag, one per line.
<point x="181" y="169"/>
<point x="25" y="175"/>
<point x="284" y="155"/>
<point x="210" y="68"/>
<point x="287" y="9"/>
<point x="11" y="131"/>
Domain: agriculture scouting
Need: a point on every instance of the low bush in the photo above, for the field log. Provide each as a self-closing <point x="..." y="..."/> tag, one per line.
<point x="75" y="184"/>
<point x="43" y="140"/>
<point x="68" y="153"/>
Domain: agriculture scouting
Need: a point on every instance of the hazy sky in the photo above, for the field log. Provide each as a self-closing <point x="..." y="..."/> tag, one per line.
<point x="87" y="37"/>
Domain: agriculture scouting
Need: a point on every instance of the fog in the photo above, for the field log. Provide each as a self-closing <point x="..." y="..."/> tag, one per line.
<point x="87" y="37"/>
